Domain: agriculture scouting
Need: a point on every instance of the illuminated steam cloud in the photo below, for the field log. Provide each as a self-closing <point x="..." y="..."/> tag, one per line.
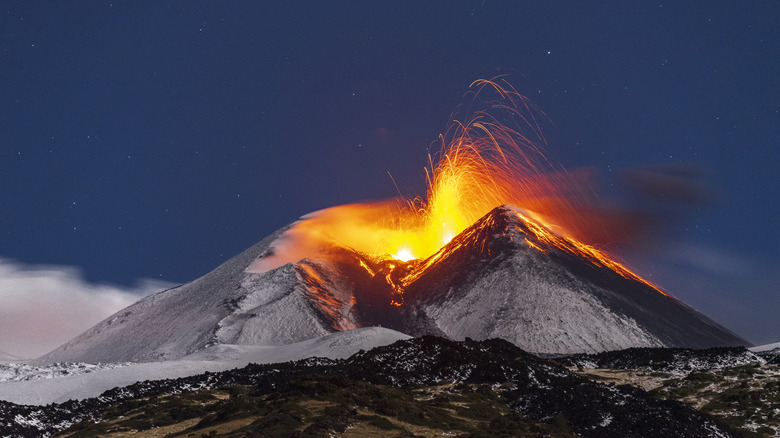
<point x="493" y="156"/>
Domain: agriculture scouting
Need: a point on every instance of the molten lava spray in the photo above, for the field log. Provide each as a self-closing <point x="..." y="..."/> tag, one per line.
<point x="493" y="157"/>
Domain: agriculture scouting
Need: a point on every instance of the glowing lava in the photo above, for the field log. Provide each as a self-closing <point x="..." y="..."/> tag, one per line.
<point x="492" y="158"/>
<point x="404" y="255"/>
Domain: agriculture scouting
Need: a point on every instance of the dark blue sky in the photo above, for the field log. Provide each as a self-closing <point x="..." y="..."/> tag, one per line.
<point x="156" y="140"/>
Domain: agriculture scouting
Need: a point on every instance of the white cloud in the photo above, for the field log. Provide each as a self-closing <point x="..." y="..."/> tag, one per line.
<point x="42" y="307"/>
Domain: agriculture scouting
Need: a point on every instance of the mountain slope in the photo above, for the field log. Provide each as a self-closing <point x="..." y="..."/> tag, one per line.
<point x="42" y="386"/>
<point x="506" y="276"/>
<point x="226" y="306"/>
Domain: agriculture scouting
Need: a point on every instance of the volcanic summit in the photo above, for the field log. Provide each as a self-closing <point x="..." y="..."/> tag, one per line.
<point x="461" y="263"/>
<point x="505" y="276"/>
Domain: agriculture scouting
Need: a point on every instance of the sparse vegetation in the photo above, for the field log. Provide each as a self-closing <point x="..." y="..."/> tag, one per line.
<point x="324" y="405"/>
<point x="744" y="398"/>
<point x="426" y="387"/>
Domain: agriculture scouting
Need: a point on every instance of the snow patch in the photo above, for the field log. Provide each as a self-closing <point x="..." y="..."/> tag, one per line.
<point x="17" y="372"/>
<point x="60" y="388"/>
<point x="767" y="347"/>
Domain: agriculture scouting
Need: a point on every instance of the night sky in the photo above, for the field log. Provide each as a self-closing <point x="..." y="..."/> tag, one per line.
<point x="155" y="140"/>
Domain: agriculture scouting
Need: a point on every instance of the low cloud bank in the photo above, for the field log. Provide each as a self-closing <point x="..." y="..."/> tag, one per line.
<point x="41" y="307"/>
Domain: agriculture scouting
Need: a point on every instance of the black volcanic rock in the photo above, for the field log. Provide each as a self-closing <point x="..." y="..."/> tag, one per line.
<point x="535" y="388"/>
<point x="669" y="360"/>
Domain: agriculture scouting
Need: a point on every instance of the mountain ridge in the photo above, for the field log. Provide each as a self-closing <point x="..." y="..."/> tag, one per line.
<point x="505" y="276"/>
<point x="537" y="294"/>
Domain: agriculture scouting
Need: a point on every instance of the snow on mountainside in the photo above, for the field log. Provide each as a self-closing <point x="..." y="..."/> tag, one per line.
<point x="506" y="276"/>
<point x="18" y="372"/>
<point x="541" y="307"/>
<point x="56" y="384"/>
<point x="220" y="307"/>
<point x="675" y="361"/>
<point x="767" y="347"/>
<point x="500" y="278"/>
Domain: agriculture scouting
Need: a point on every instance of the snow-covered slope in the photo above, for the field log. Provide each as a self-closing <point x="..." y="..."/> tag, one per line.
<point x="500" y="278"/>
<point x="59" y="388"/>
<point x="226" y="306"/>
<point x="506" y="276"/>
<point x="767" y="347"/>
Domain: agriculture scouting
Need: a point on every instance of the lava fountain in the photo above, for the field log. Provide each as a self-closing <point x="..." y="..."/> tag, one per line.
<point x="494" y="156"/>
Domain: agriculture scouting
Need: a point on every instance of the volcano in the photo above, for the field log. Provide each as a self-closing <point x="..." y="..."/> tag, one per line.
<point x="506" y="276"/>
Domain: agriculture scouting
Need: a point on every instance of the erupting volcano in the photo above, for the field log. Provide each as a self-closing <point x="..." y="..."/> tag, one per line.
<point x="505" y="244"/>
<point x="494" y="157"/>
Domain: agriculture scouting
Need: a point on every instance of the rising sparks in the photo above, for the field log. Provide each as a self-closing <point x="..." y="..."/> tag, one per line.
<point x="492" y="157"/>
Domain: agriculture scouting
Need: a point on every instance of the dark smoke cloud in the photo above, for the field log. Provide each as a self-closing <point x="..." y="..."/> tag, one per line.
<point x="679" y="183"/>
<point x="645" y="205"/>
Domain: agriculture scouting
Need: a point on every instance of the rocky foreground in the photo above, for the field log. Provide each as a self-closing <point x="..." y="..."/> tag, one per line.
<point x="430" y="386"/>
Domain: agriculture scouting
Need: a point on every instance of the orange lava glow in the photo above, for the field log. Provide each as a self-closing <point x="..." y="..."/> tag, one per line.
<point x="573" y="247"/>
<point x="493" y="157"/>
